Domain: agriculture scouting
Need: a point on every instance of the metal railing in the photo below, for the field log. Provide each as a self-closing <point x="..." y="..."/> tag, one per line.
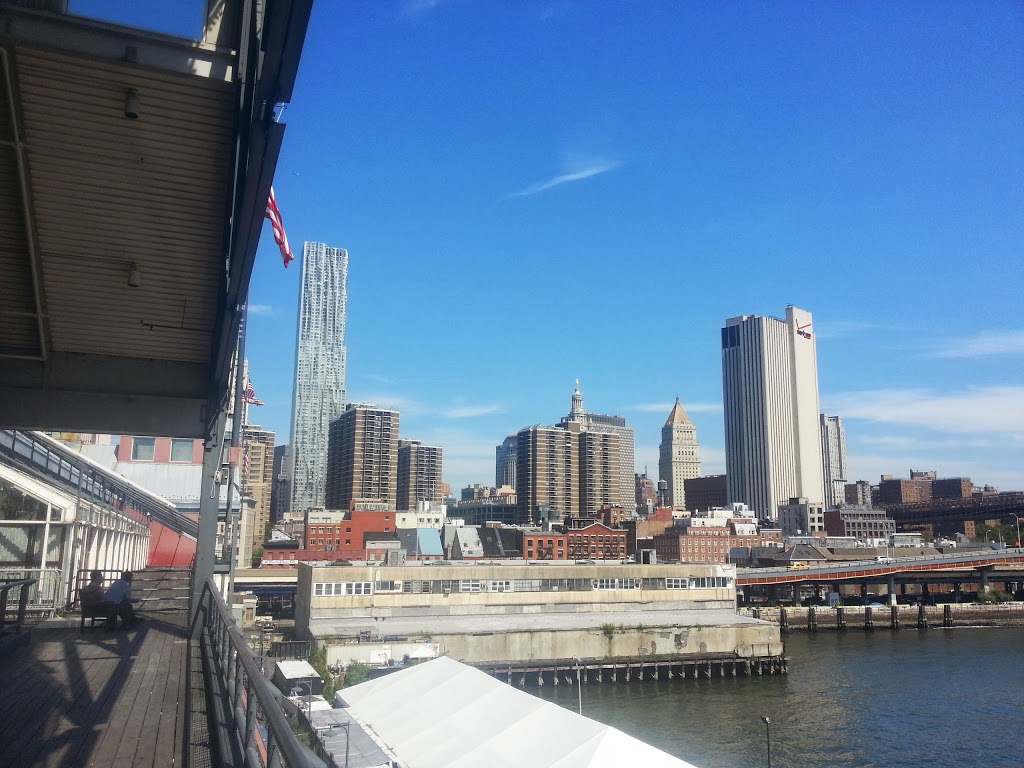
<point x="56" y="464"/>
<point x="254" y="727"/>
<point x="23" y="586"/>
<point x="45" y="596"/>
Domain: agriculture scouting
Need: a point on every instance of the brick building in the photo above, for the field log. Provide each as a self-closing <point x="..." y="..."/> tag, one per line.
<point x="341" y="531"/>
<point x="596" y="541"/>
<point x="728" y="543"/>
<point x="547" y="545"/>
<point x="863" y="524"/>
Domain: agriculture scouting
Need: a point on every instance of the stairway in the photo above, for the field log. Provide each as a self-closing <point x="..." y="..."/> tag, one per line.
<point x="161" y="590"/>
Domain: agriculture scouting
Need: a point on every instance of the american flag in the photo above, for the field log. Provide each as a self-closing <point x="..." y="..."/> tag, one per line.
<point x="246" y="463"/>
<point x="249" y="395"/>
<point x="274" y="214"/>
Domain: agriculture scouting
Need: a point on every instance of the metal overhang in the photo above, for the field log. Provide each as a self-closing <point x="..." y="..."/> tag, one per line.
<point x="176" y="195"/>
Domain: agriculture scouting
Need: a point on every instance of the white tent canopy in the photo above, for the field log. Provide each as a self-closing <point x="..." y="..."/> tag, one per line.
<point x="444" y="714"/>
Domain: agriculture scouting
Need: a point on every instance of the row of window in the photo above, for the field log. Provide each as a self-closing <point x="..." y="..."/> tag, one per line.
<point x="473" y="586"/>
<point x="144" y="449"/>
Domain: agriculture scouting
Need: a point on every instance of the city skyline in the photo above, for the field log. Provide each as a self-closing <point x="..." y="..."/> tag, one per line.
<point x="724" y="153"/>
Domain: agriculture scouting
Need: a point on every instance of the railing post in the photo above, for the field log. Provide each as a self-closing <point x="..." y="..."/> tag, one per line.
<point x="22" y="606"/>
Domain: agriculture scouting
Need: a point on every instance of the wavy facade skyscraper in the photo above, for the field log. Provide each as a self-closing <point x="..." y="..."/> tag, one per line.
<point x="320" y="359"/>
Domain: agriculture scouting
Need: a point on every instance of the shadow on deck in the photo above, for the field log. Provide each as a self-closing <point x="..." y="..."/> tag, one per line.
<point x="98" y="698"/>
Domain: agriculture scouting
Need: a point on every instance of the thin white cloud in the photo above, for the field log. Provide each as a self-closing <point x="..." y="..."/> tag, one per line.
<point x="406" y="406"/>
<point x="995" y="410"/>
<point x="470" y="411"/>
<point x="260" y="310"/>
<point x="985" y="344"/>
<point x="410" y="406"/>
<point x="594" y="169"/>
<point x="666" y="407"/>
<point x="835" y="329"/>
<point x="413" y="9"/>
<point x="379" y="378"/>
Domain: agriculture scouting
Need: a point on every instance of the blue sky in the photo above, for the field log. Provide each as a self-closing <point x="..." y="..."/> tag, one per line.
<point x="532" y="193"/>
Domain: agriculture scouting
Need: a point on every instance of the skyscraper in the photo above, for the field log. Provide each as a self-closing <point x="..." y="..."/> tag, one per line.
<point x="362" y="457"/>
<point x="833" y="453"/>
<point x="319" y="396"/>
<point x="625" y="467"/>
<point x="582" y="464"/>
<point x="547" y="473"/>
<point x="257" y="477"/>
<point x="770" y="392"/>
<point x="679" y="454"/>
<point x="505" y="463"/>
<point x="419" y="474"/>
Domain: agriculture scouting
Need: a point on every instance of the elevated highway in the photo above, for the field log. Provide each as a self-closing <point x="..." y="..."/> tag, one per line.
<point x="1008" y="564"/>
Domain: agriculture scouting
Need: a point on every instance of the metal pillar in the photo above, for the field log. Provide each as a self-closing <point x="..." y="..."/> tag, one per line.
<point x="209" y="500"/>
<point x="890" y="584"/>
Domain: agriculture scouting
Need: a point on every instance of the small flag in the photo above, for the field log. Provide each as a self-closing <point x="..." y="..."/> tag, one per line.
<point x="246" y="463"/>
<point x="274" y="214"/>
<point x="249" y="396"/>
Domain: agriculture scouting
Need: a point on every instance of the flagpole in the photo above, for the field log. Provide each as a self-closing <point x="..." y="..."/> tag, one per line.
<point x="236" y="431"/>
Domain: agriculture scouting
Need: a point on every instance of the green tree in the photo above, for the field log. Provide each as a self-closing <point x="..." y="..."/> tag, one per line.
<point x="355" y="673"/>
<point x="318" y="660"/>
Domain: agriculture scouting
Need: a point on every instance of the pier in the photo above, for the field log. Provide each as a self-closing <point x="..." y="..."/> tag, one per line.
<point x="635" y="670"/>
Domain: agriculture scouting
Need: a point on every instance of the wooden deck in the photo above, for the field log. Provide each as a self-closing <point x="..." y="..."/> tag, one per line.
<point x="102" y="698"/>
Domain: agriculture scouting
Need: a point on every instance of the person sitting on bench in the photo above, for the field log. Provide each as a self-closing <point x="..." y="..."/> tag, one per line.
<point x="120" y="596"/>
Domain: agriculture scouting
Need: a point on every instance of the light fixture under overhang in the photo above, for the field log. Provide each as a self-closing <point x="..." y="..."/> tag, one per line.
<point x="132" y="108"/>
<point x="134" y="276"/>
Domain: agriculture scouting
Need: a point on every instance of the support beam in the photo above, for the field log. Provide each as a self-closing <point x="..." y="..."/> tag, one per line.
<point x="209" y="503"/>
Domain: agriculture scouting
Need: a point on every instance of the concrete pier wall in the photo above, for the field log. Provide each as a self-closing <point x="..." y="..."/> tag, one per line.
<point x="612" y="642"/>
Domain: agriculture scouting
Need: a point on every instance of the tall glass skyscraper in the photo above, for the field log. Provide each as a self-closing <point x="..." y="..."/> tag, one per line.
<point x="319" y="396"/>
<point x="770" y="389"/>
<point x="833" y="452"/>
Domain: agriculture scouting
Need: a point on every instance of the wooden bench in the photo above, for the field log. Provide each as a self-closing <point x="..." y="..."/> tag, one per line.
<point x="94" y="608"/>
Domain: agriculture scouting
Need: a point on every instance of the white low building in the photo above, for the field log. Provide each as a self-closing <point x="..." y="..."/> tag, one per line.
<point x="476" y="721"/>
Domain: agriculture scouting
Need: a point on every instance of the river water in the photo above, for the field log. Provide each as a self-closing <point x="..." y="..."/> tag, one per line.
<point x="944" y="698"/>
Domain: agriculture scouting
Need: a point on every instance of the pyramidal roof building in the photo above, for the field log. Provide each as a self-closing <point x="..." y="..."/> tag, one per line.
<point x="679" y="454"/>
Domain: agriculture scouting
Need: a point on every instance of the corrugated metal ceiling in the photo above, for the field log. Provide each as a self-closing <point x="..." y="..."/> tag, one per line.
<point x="109" y="192"/>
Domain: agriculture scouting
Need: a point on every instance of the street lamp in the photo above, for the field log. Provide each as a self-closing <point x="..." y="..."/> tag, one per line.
<point x="768" y="736"/>
<point x="1018" y="529"/>
<point x="347" y="737"/>
<point x="579" y="686"/>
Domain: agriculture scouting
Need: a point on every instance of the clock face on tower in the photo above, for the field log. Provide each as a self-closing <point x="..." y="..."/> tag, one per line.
<point x="804" y="330"/>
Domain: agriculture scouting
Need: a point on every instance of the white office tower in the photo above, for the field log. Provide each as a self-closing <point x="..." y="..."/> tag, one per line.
<point x="770" y="391"/>
<point x="319" y="396"/>
<point x="833" y="453"/>
<point x="679" y="455"/>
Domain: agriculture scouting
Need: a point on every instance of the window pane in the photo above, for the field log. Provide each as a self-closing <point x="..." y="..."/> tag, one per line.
<point x="181" y="450"/>
<point x="143" y="448"/>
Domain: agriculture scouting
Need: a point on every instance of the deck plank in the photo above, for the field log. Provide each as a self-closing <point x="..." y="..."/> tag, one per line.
<point x="102" y="698"/>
